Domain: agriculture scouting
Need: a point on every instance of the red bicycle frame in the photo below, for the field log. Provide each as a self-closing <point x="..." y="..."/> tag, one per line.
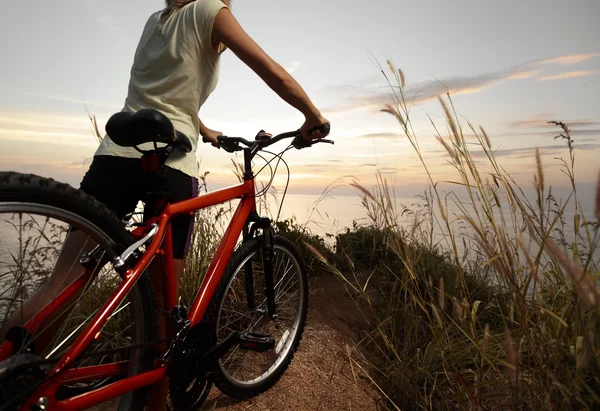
<point x="161" y="245"/>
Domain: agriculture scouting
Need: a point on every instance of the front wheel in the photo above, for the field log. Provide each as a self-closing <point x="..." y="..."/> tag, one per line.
<point x="241" y="373"/>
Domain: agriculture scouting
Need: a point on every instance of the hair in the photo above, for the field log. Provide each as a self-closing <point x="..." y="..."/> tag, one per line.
<point x="170" y="5"/>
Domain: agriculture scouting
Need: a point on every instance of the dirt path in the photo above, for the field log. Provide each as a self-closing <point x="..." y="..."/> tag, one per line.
<point x="320" y="376"/>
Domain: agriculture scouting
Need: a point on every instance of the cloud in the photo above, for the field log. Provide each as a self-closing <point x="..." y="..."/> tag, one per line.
<point x="574" y="133"/>
<point x="569" y="74"/>
<point x="81" y="101"/>
<point x="523" y="152"/>
<point x="48" y="137"/>
<point x="293" y="66"/>
<point x="45" y="121"/>
<point x="361" y="97"/>
<point x="543" y="123"/>
<point x="570" y="59"/>
<point x="106" y="17"/>
<point x="366" y="96"/>
<point x="382" y="135"/>
<point x="377" y="155"/>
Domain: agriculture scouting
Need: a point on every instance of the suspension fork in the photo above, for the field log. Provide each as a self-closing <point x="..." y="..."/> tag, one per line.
<point x="268" y="253"/>
<point x="248" y="275"/>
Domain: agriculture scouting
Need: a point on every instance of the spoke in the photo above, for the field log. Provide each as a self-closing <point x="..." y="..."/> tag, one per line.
<point x="251" y="328"/>
<point x="84" y="323"/>
<point x="69" y="336"/>
<point x="83" y="292"/>
<point x="19" y="279"/>
<point x="241" y="362"/>
<point x="71" y="308"/>
<point x="290" y="298"/>
<point x="230" y="323"/>
<point x="287" y="289"/>
<point x="236" y="349"/>
<point x="43" y="296"/>
<point x="287" y="286"/>
<point x="285" y="275"/>
<point x="283" y="258"/>
<point x="35" y="249"/>
<point x="280" y="281"/>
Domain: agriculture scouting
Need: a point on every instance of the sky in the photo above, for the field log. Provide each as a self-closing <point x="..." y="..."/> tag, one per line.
<point x="510" y="65"/>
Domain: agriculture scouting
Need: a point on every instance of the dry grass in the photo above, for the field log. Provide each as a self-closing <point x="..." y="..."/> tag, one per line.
<point x="522" y="326"/>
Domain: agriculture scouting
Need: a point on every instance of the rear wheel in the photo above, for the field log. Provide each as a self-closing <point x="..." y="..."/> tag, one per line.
<point x="243" y="373"/>
<point x="46" y="231"/>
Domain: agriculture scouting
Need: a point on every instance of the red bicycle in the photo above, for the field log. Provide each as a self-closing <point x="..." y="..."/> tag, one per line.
<point x="92" y="338"/>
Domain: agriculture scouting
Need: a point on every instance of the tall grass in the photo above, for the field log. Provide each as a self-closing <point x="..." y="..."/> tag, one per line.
<point x="491" y="307"/>
<point x="503" y="311"/>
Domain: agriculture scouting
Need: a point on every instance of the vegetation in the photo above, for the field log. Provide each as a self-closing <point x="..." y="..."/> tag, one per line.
<point x="505" y="314"/>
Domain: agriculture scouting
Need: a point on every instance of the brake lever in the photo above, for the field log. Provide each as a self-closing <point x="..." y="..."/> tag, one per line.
<point x="263" y="136"/>
<point x="231" y="148"/>
<point x="300" y="143"/>
<point x="323" y="140"/>
<point x="227" y="145"/>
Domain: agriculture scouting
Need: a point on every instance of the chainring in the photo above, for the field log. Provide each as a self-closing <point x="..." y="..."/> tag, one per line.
<point x="189" y="380"/>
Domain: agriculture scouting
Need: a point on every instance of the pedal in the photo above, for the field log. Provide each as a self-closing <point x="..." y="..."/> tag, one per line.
<point x="258" y="342"/>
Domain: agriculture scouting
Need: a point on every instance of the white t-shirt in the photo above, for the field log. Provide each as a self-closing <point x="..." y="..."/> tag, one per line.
<point x="174" y="71"/>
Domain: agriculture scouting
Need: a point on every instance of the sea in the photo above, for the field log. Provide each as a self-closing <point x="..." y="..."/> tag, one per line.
<point x="327" y="216"/>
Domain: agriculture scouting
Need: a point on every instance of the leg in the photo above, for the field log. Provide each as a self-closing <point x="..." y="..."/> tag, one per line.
<point x="66" y="270"/>
<point x="182" y="187"/>
<point x="157" y="398"/>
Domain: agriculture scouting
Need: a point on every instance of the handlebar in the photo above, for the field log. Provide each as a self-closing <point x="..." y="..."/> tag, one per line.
<point x="262" y="140"/>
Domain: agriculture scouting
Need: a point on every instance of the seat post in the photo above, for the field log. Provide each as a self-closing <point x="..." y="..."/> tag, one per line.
<point x="153" y="165"/>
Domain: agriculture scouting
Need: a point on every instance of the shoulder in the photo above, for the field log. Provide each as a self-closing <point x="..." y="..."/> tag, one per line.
<point x="207" y="8"/>
<point x="201" y="14"/>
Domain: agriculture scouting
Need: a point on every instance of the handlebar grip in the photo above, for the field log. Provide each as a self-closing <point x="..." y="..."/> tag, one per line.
<point x="206" y="140"/>
<point x="324" y="129"/>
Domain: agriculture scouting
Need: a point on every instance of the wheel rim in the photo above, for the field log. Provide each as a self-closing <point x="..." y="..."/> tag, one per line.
<point x="248" y="368"/>
<point x="31" y="247"/>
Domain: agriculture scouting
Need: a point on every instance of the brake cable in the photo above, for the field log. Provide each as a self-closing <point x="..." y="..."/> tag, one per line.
<point x="273" y="174"/>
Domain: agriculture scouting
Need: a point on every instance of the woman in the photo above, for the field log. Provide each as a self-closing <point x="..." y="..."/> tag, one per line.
<point x="176" y="67"/>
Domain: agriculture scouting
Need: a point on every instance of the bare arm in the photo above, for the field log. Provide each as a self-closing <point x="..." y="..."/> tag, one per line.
<point x="209" y="134"/>
<point x="228" y="31"/>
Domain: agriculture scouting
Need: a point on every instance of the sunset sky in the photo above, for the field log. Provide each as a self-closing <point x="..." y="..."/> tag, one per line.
<point x="510" y="65"/>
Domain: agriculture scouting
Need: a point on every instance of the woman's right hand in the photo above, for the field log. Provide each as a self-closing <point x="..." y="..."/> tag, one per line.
<point x="311" y="123"/>
<point x="211" y="136"/>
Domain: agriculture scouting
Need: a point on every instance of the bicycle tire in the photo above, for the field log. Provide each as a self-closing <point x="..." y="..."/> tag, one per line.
<point x="223" y="379"/>
<point x="31" y="191"/>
